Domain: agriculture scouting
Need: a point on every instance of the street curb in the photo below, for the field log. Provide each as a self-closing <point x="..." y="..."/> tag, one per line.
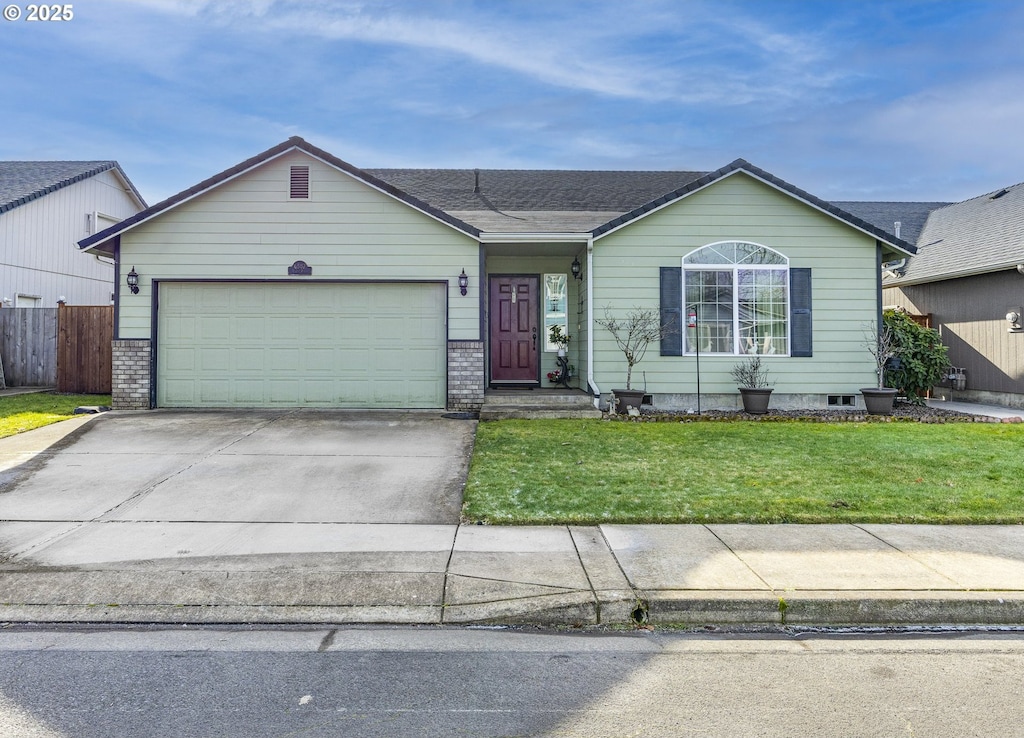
<point x="837" y="609"/>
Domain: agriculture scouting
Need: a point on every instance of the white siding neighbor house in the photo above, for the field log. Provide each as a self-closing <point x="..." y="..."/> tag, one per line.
<point x="46" y="207"/>
<point x="296" y="279"/>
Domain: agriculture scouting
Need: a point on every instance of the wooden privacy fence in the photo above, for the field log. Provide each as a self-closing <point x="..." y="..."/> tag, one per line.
<point x="28" y="346"/>
<point x="84" y="337"/>
<point x="67" y="347"/>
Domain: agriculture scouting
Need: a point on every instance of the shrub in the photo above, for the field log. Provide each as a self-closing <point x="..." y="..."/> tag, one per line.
<point x="922" y="357"/>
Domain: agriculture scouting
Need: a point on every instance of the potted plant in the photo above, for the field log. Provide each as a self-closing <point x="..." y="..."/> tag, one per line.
<point x="633" y="333"/>
<point x="883" y="344"/>
<point x="752" y="378"/>
<point x="559" y="338"/>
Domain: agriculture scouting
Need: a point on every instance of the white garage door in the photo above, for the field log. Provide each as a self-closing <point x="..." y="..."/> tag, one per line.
<point x="301" y="345"/>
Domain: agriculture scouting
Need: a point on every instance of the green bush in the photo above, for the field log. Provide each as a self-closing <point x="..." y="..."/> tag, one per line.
<point x="922" y="357"/>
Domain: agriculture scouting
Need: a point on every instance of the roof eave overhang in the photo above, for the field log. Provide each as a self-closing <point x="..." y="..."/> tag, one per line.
<point x="882" y="238"/>
<point x="129" y="187"/>
<point x="946" y="276"/>
<point x="554" y="237"/>
<point x="93" y="243"/>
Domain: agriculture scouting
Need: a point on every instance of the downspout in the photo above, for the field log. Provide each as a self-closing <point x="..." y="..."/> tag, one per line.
<point x="595" y="390"/>
<point x="878" y="286"/>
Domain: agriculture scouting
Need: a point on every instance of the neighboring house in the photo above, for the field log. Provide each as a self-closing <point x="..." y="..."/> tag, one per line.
<point x="296" y="279"/>
<point x="968" y="276"/>
<point x="46" y="207"/>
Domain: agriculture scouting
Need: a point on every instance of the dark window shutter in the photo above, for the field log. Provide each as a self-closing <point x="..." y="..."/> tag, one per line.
<point x="800" y="311"/>
<point x="672" y="310"/>
<point x="300" y="183"/>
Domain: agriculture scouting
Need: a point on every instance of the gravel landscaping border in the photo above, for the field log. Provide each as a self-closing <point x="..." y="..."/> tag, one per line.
<point x="902" y="412"/>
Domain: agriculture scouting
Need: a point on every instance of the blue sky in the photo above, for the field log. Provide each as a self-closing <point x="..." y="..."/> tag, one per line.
<point x="913" y="100"/>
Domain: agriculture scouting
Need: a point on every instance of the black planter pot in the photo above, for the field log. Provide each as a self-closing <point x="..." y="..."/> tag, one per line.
<point x="755" y="399"/>
<point x="878" y="400"/>
<point x="624" y="398"/>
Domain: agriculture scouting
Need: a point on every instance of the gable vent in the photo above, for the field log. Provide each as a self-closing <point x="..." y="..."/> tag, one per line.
<point x="300" y="183"/>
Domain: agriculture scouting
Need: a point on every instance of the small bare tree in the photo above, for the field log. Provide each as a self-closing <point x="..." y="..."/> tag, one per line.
<point x="883" y="344"/>
<point x="633" y="333"/>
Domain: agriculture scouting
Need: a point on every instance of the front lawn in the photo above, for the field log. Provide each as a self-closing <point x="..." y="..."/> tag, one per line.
<point x="19" y="413"/>
<point x="588" y="472"/>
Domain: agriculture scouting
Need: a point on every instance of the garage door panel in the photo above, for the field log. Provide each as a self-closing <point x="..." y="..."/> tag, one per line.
<point x="247" y="359"/>
<point x="215" y="327"/>
<point x="318" y="327"/>
<point x="312" y="344"/>
<point x="283" y="391"/>
<point x="246" y="327"/>
<point x="214" y="392"/>
<point x="318" y="360"/>
<point x="212" y="300"/>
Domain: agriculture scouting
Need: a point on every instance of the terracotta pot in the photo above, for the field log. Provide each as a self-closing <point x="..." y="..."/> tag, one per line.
<point x="755" y="399"/>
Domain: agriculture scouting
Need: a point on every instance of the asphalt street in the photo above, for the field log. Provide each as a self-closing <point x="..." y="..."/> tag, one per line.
<point x="439" y="682"/>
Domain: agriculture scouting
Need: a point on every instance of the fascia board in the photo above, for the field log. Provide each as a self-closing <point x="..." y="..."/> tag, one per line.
<point x="385" y="192"/>
<point x="190" y="198"/>
<point x="261" y="163"/>
<point x="533" y="237"/>
<point x="764" y="181"/>
<point x="959" y="274"/>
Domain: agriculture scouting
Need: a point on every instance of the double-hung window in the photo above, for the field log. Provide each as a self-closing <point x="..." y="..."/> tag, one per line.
<point x="736" y="300"/>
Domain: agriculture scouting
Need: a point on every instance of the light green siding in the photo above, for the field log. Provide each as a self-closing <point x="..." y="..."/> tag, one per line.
<point x="301" y="345"/>
<point x="741" y="208"/>
<point x="249" y="229"/>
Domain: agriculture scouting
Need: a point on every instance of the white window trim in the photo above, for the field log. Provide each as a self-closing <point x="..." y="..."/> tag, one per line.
<point x="735" y="269"/>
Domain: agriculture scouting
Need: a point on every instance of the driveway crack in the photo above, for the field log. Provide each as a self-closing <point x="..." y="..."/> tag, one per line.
<point x="136" y="497"/>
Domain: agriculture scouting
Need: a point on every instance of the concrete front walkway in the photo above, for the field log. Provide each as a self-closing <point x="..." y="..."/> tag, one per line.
<point x="999" y="412"/>
<point x="147" y="541"/>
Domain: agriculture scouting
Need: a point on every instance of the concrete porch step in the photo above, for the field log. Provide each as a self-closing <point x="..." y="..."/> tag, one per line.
<point x="503" y="404"/>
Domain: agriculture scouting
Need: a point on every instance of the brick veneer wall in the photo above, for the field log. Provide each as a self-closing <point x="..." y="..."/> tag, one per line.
<point x="131" y="372"/>
<point x="465" y="375"/>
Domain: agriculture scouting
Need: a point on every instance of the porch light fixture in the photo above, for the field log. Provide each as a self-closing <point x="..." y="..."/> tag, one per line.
<point x="133" y="281"/>
<point x="463" y="283"/>
<point x="577" y="268"/>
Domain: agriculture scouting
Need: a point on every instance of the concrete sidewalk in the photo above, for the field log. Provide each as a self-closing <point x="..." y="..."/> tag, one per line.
<point x="232" y="571"/>
<point x="725" y="575"/>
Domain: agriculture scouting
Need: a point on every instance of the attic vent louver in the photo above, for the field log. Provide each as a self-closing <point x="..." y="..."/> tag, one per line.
<point x="999" y="194"/>
<point x="300" y="183"/>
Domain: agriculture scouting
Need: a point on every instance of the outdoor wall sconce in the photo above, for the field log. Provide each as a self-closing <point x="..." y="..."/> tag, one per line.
<point x="1015" y="317"/>
<point x="577" y="268"/>
<point x="463" y="283"/>
<point x="133" y="281"/>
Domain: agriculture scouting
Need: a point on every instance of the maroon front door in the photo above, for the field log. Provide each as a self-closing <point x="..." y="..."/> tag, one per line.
<point x="514" y="341"/>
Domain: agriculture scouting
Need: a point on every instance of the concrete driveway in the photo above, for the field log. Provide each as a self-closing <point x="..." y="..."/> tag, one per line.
<point x="165" y="485"/>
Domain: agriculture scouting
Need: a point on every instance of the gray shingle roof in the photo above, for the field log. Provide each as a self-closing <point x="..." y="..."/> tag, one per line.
<point x="910" y="215"/>
<point x="540" y="200"/>
<point x="983" y="234"/>
<point x="515" y="201"/>
<point x="24" y="181"/>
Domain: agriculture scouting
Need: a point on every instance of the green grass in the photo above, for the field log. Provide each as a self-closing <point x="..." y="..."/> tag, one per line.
<point x="591" y="472"/>
<point x="19" y="413"/>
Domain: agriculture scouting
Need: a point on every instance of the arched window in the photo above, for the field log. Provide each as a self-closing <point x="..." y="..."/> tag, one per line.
<point x="736" y="299"/>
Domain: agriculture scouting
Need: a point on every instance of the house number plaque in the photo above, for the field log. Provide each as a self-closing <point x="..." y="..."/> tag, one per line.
<point x="301" y="269"/>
